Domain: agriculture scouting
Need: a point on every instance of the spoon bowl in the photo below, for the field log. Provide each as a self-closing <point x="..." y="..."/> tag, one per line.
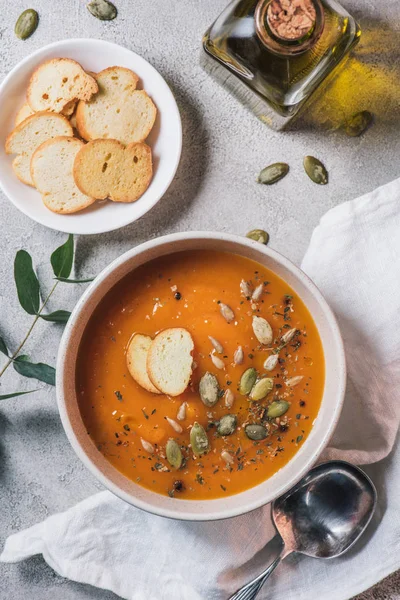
<point x="327" y="511"/>
<point x="322" y="516"/>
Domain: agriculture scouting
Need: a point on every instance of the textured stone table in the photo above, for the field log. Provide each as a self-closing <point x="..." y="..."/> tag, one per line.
<point x="224" y="148"/>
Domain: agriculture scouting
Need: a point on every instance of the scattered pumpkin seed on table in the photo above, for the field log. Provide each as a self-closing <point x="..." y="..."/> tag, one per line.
<point x="273" y="173"/>
<point x="315" y="170"/>
<point x="102" y="9"/>
<point x="26" y="24"/>
<point x="358" y="123"/>
<point x="258" y="235"/>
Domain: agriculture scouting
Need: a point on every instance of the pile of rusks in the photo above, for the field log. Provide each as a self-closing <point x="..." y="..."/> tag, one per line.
<point x="80" y="137"/>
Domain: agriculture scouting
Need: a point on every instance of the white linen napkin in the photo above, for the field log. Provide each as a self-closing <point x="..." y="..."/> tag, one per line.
<point x="354" y="257"/>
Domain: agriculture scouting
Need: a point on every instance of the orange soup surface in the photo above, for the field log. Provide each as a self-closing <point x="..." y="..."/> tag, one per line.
<point x="186" y="290"/>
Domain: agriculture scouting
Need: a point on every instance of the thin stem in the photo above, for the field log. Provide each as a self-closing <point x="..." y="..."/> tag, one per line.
<point x="35" y="320"/>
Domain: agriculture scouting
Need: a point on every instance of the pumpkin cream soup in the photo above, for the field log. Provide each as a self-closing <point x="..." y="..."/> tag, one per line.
<point x="200" y="375"/>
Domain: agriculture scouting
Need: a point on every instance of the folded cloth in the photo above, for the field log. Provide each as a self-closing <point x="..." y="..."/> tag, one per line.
<point x="354" y="257"/>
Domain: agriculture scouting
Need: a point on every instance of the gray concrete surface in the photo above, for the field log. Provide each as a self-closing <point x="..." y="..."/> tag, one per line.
<point x="215" y="189"/>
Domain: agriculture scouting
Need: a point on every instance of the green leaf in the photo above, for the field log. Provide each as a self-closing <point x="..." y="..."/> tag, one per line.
<point x="3" y="347"/>
<point x="65" y="280"/>
<point x="58" y="316"/>
<point x="27" y="283"/>
<point x="6" y="396"/>
<point x="39" y="371"/>
<point x="62" y="259"/>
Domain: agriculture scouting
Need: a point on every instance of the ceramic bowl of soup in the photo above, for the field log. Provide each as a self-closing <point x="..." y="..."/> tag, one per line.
<point x="200" y="376"/>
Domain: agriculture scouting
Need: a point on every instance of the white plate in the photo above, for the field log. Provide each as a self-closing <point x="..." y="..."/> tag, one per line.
<point x="165" y="138"/>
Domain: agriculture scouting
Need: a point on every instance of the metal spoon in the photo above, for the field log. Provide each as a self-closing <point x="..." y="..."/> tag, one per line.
<point x="322" y="516"/>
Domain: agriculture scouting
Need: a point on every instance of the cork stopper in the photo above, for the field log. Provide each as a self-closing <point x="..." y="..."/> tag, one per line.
<point x="289" y="26"/>
<point x="291" y="19"/>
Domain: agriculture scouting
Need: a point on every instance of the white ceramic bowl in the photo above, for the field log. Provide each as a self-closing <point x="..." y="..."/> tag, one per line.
<point x="165" y="138"/>
<point x="229" y="506"/>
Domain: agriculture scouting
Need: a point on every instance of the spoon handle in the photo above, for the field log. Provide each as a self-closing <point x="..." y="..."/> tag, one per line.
<point x="250" y="590"/>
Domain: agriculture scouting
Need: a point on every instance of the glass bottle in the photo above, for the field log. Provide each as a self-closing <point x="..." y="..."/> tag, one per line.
<point x="273" y="54"/>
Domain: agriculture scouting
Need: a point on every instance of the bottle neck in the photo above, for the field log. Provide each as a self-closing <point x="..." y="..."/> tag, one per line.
<point x="289" y="27"/>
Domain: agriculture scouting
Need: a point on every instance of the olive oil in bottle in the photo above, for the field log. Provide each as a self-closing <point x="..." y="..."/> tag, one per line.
<point x="273" y="54"/>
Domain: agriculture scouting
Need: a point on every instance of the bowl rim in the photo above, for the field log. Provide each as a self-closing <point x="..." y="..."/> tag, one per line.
<point x="142" y="209"/>
<point x="227" y="512"/>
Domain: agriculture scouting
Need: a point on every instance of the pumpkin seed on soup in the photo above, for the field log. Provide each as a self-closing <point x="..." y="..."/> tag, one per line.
<point x="199" y="440"/>
<point x="247" y="381"/>
<point x="277" y="409"/>
<point x="209" y="389"/>
<point x="256" y="432"/>
<point x="273" y="173"/>
<point x="258" y="235"/>
<point x="227" y="425"/>
<point x="26" y="24"/>
<point x="173" y="454"/>
<point x="358" y="123"/>
<point x="102" y="9"/>
<point x="261" y="388"/>
<point x="315" y="170"/>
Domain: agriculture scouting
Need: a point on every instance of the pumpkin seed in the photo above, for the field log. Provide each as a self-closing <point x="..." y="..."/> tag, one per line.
<point x="216" y="345"/>
<point x="173" y="454"/>
<point x="102" y="9"/>
<point x="217" y="362"/>
<point x="258" y="292"/>
<point x="273" y="173"/>
<point x="174" y="425"/>
<point x="26" y="24"/>
<point x="315" y="170"/>
<point x="226" y="312"/>
<point x="271" y="362"/>
<point x="256" y="432"/>
<point x="258" y="235"/>
<point x="294" y="380"/>
<point x="238" y="357"/>
<point x="229" y="398"/>
<point x="245" y="288"/>
<point x="199" y="440"/>
<point x="247" y="381"/>
<point x="228" y="458"/>
<point x="288" y="335"/>
<point x="209" y="389"/>
<point x="262" y="330"/>
<point x="181" y="414"/>
<point x="358" y="123"/>
<point x="261" y="388"/>
<point x="277" y="409"/>
<point x="227" y="425"/>
<point x="147" y="446"/>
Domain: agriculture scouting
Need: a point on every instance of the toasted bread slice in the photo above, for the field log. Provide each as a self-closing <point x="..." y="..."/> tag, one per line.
<point x="51" y="170"/>
<point x="58" y="82"/>
<point x="106" y="169"/>
<point x="29" y="134"/>
<point x="136" y="359"/>
<point x="24" y="112"/>
<point x="169" y="361"/>
<point x="69" y="108"/>
<point x="119" y="111"/>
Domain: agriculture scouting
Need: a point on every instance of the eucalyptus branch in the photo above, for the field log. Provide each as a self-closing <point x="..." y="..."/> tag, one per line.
<point x="35" y="320"/>
<point x="28" y="290"/>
